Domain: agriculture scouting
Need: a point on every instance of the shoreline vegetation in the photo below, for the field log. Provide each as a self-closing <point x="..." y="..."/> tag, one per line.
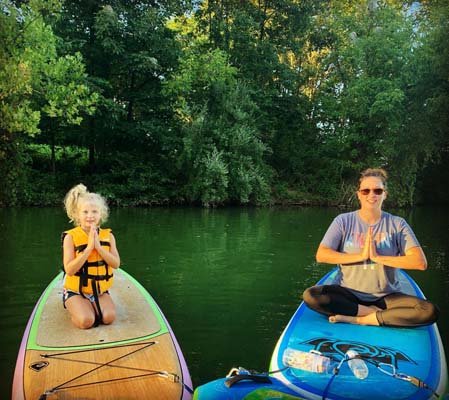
<point x="224" y="102"/>
<point x="134" y="185"/>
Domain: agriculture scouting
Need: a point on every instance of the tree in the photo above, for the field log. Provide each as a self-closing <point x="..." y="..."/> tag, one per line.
<point x="129" y="52"/>
<point x="429" y="110"/>
<point x="34" y="81"/>
<point x="227" y="100"/>
<point x="221" y="157"/>
<point x="264" y="41"/>
<point x="361" y="95"/>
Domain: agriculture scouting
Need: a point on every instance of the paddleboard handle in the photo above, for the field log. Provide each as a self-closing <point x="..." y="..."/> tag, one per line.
<point x="239" y="374"/>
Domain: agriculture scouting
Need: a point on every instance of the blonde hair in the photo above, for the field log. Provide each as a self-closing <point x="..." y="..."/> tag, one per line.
<point x="78" y="195"/>
<point x="376" y="172"/>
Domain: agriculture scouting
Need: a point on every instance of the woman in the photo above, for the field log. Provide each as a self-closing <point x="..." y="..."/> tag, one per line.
<point x="370" y="246"/>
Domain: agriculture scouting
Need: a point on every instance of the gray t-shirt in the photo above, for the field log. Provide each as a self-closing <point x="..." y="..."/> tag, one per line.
<point x="369" y="280"/>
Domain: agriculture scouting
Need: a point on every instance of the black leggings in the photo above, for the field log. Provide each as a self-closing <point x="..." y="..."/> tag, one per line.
<point x="398" y="309"/>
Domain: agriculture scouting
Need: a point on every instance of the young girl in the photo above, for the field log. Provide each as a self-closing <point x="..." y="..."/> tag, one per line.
<point x="89" y="255"/>
<point x="370" y="246"/>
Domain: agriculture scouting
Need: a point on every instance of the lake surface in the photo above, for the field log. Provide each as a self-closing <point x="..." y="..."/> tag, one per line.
<point x="228" y="280"/>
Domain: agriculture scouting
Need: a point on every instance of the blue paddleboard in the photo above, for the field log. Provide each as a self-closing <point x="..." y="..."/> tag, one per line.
<point x="401" y="363"/>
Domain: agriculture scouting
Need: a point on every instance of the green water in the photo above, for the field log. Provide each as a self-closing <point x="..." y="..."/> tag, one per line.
<point x="227" y="280"/>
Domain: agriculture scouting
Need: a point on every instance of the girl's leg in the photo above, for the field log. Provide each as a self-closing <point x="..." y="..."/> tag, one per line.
<point x="81" y="311"/>
<point x="107" y="308"/>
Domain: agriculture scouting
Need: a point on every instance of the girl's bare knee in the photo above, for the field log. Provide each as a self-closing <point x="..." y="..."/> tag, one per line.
<point x="84" y="321"/>
<point x="108" y="316"/>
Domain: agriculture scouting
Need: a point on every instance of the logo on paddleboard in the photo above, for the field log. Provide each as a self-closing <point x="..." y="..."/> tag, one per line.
<point x="337" y="348"/>
<point x="38" y="365"/>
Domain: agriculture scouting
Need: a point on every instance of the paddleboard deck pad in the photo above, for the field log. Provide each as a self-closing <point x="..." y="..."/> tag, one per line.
<point x="311" y="362"/>
<point x="136" y="357"/>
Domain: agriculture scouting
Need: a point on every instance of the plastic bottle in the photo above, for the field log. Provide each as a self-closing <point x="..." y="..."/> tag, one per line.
<point x="356" y="364"/>
<point x="311" y="361"/>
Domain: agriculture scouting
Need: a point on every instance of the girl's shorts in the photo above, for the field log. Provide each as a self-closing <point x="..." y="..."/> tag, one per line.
<point x="69" y="293"/>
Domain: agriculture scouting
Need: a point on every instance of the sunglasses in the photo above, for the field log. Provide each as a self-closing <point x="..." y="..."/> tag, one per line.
<point x="377" y="191"/>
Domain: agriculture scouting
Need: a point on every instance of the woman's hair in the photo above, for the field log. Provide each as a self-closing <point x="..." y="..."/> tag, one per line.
<point x="376" y="172"/>
<point x="79" y="195"/>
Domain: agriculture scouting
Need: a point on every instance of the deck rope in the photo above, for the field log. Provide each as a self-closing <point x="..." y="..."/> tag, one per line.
<point x="63" y="386"/>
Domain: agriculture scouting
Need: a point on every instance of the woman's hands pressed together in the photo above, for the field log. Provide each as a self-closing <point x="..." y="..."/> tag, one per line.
<point x="369" y="249"/>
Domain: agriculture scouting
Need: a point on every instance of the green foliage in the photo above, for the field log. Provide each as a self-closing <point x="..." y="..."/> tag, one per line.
<point x="363" y="99"/>
<point x="211" y="181"/>
<point x="34" y="82"/>
<point x="222" y="102"/>
<point x="33" y="78"/>
<point x="63" y="87"/>
<point x="131" y="184"/>
<point x="222" y="157"/>
<point x="12" y="178"/>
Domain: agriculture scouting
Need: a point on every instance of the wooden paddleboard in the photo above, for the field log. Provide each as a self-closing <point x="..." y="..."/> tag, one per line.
<point x="136" y="357"/>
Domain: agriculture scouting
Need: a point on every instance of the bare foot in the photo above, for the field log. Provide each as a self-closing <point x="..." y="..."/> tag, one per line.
<point x="342" y="318"/>
<point x="369" y="319"/>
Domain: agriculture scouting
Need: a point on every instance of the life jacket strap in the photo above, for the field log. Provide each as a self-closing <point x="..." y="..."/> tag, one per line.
<point x="98" y="313"/>
<point x="94" y="277"/>
<point x="95" y="263"/>
<point x="80" y="248"/>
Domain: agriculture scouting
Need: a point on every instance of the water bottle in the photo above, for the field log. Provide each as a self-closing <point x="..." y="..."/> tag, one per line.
<point x="356" y="364"/>
<point x="311" y="361"/>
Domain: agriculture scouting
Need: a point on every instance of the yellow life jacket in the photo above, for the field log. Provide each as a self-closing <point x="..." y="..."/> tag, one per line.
<point x="95" y="271"/>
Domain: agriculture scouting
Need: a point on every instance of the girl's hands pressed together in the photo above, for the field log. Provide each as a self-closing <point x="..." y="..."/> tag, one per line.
<point x="91" y="239"/>
<point x="97" y="244"/>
